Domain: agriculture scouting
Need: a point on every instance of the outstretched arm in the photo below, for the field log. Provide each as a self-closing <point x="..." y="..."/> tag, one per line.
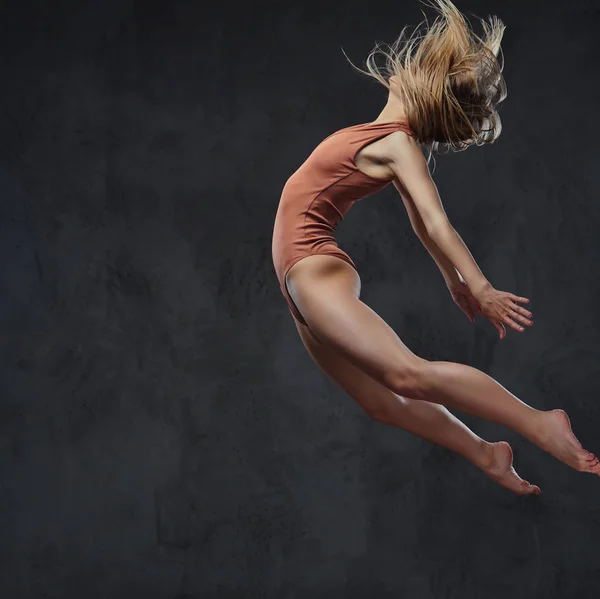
<point x="450" y="274"/>
<point x="420" y="195"/>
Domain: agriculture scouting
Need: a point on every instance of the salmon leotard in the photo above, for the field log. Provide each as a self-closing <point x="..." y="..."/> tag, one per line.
<point x="319" y="194"/>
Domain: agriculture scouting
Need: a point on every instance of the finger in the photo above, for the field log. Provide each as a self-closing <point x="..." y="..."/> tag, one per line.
<point x="512" y="324"/>
<point x="517" y="298"/>
<point x="520" y="318"/>
<point x="500" y="327"/>
<point x="467" y="307"/>
<point x="502" y="331"/>
<point x="521" y="310"/>
<point x="464" y="306"/>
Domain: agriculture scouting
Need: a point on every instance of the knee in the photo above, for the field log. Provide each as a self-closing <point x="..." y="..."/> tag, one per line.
<point x="412" y="380"/>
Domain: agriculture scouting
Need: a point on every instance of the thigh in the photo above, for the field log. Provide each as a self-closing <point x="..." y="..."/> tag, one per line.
<point x="373" y="397"/>
<point x="326" y="291"/>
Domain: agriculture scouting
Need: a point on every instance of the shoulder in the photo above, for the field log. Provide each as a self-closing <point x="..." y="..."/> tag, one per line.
<point x="402" y="150"/>
<point x="400" y="143"/>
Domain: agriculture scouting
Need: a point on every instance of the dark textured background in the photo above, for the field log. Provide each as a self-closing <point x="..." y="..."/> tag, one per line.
<point x="164" y="433"/>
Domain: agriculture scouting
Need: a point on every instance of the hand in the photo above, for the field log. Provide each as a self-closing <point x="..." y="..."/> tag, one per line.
<point x="500" y="308"/>
<point x="463" y="298"/>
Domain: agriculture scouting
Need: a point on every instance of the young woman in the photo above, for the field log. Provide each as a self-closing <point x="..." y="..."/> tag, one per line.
<point x="444" y="87"/>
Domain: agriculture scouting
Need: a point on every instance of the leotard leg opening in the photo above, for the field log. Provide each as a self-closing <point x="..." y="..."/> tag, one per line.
<point x="338" y="253"/>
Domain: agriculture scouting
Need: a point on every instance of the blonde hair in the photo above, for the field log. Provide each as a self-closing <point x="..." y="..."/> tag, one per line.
<point x="449" y="78"/>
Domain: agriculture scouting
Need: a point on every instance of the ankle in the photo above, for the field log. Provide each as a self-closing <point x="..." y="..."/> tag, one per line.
<point x="538" y="429"/>
<point x="484" y="458"/>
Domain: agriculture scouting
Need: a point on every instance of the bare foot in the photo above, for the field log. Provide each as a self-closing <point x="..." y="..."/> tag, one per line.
<point x="557" y="438"/>
<point x="498" y="466"/>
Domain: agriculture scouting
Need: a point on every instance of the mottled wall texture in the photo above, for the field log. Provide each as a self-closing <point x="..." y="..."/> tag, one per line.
<point x="164" y="434"/>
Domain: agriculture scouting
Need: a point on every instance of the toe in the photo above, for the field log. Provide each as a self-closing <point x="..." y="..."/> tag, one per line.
<point x="528" y="489"/>
<point x="592" y="463"/>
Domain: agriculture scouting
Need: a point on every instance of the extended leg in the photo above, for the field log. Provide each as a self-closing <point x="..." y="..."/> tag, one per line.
<point x="326" y="290"/>
<point x="428" y="420"/>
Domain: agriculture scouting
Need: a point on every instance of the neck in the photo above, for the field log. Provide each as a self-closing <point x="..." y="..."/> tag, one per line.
<point x="392" y="111"/>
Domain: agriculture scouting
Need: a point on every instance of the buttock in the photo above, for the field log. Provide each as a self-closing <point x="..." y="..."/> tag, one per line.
<point x="283" y="282"/>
